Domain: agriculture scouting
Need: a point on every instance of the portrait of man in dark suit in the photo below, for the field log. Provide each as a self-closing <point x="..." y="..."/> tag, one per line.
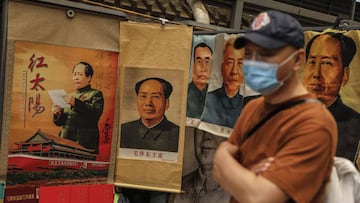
<point x="327" y="70"/>
<point x="197" y="88"/>
<point x="152" y="131"/>
<point x="80" y="120"/>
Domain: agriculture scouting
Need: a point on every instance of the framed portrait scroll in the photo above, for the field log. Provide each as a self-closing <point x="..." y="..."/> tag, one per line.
<point x="154" y="72"/>
<point x="331" y="73"/>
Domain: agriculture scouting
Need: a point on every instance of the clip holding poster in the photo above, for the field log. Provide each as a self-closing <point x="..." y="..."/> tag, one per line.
<point x="163" y="21"/>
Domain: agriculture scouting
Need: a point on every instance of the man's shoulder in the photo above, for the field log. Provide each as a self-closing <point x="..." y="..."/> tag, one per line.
<point x="171" y="128"/>
<point x="168" y="123"/>
<point x="129" y="134"/>
<point x="171" y="124"/>
<point x="314" y="112"/>
<point x="88" y="89"/>
<point x="252" y="101"/>
<point x="342" y="111"/>
<point x="217" y="90"/>
<point x="94" y="92"/>
<point x="130" y="124"/>
<point x="350" y="112"/>
<point x="188" y="179"/>
<point x="215" y="94"/>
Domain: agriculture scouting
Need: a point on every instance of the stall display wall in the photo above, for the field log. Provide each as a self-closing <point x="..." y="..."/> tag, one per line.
<point x="65" y="40"/>
<point x="40" y="57"/>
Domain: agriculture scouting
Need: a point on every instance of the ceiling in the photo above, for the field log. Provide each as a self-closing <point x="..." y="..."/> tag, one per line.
<point x="230" y="14"/>
<point x="310" y="13"/>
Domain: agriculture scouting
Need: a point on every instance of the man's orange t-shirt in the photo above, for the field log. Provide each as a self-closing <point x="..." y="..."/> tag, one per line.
<point x="302" y="139"/>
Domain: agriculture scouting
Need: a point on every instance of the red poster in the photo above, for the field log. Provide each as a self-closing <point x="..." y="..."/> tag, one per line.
<point x="62" y="114"/>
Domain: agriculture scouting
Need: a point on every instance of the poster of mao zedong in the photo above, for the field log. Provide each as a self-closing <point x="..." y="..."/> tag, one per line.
<point x="150" y="114"/>
<point x="62" y="114"/>
<point x="331" y="73"/>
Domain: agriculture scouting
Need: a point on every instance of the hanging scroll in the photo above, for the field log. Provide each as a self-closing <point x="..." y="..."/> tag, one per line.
<point x="154" y="67"/>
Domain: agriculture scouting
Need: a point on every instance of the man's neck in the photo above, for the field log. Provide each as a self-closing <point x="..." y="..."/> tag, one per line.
<point x="231" y="92"/>
<point x="200" y="86"/>
<point x="149" y="123"/>
<point x="206" y="170"/>
<point x="292" y="88"/>
<point x="328" y="100"/>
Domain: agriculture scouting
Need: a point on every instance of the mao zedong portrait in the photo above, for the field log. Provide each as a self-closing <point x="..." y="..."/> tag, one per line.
<point x="152" y="131"/>
<point x="327" y="70"/>
<point x="80" y="121"/>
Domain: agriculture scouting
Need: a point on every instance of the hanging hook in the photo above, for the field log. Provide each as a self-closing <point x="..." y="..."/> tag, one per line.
<point x="343" y="24"/>
<point x="163" y="21"/>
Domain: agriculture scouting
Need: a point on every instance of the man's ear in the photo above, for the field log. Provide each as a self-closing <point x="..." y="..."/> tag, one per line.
<point x="346" y="76"/>
<point x="299" y="59"/>
<point x="167" y="104"/>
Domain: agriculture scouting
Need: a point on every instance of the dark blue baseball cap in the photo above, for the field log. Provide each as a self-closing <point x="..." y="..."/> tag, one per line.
<point x="272" y="30"/>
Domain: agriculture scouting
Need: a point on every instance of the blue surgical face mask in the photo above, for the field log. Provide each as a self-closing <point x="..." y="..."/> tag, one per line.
<point x="261" y="76"/>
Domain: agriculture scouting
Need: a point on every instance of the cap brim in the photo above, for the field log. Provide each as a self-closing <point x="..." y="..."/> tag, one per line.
<point x="260" y="40"/>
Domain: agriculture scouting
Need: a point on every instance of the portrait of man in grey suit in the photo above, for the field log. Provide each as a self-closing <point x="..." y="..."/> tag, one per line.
<point x="224" y="104"/>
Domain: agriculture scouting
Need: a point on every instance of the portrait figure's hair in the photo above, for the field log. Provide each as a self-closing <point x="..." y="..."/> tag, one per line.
<point x="167" y="87"/>
<point x="228" y="43"/>
<point x="202" y="44"/>
<point x="347" y="46"/>
<point x="89" y="71"/>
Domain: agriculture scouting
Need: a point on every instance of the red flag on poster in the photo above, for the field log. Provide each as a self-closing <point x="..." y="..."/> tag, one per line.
<point x="37" y="147"/>
<point x="30" y="148"/>
<point x="46" y="149"/>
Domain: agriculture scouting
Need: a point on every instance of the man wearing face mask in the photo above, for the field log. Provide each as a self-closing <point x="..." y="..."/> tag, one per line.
<point x="287" y="123"/>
